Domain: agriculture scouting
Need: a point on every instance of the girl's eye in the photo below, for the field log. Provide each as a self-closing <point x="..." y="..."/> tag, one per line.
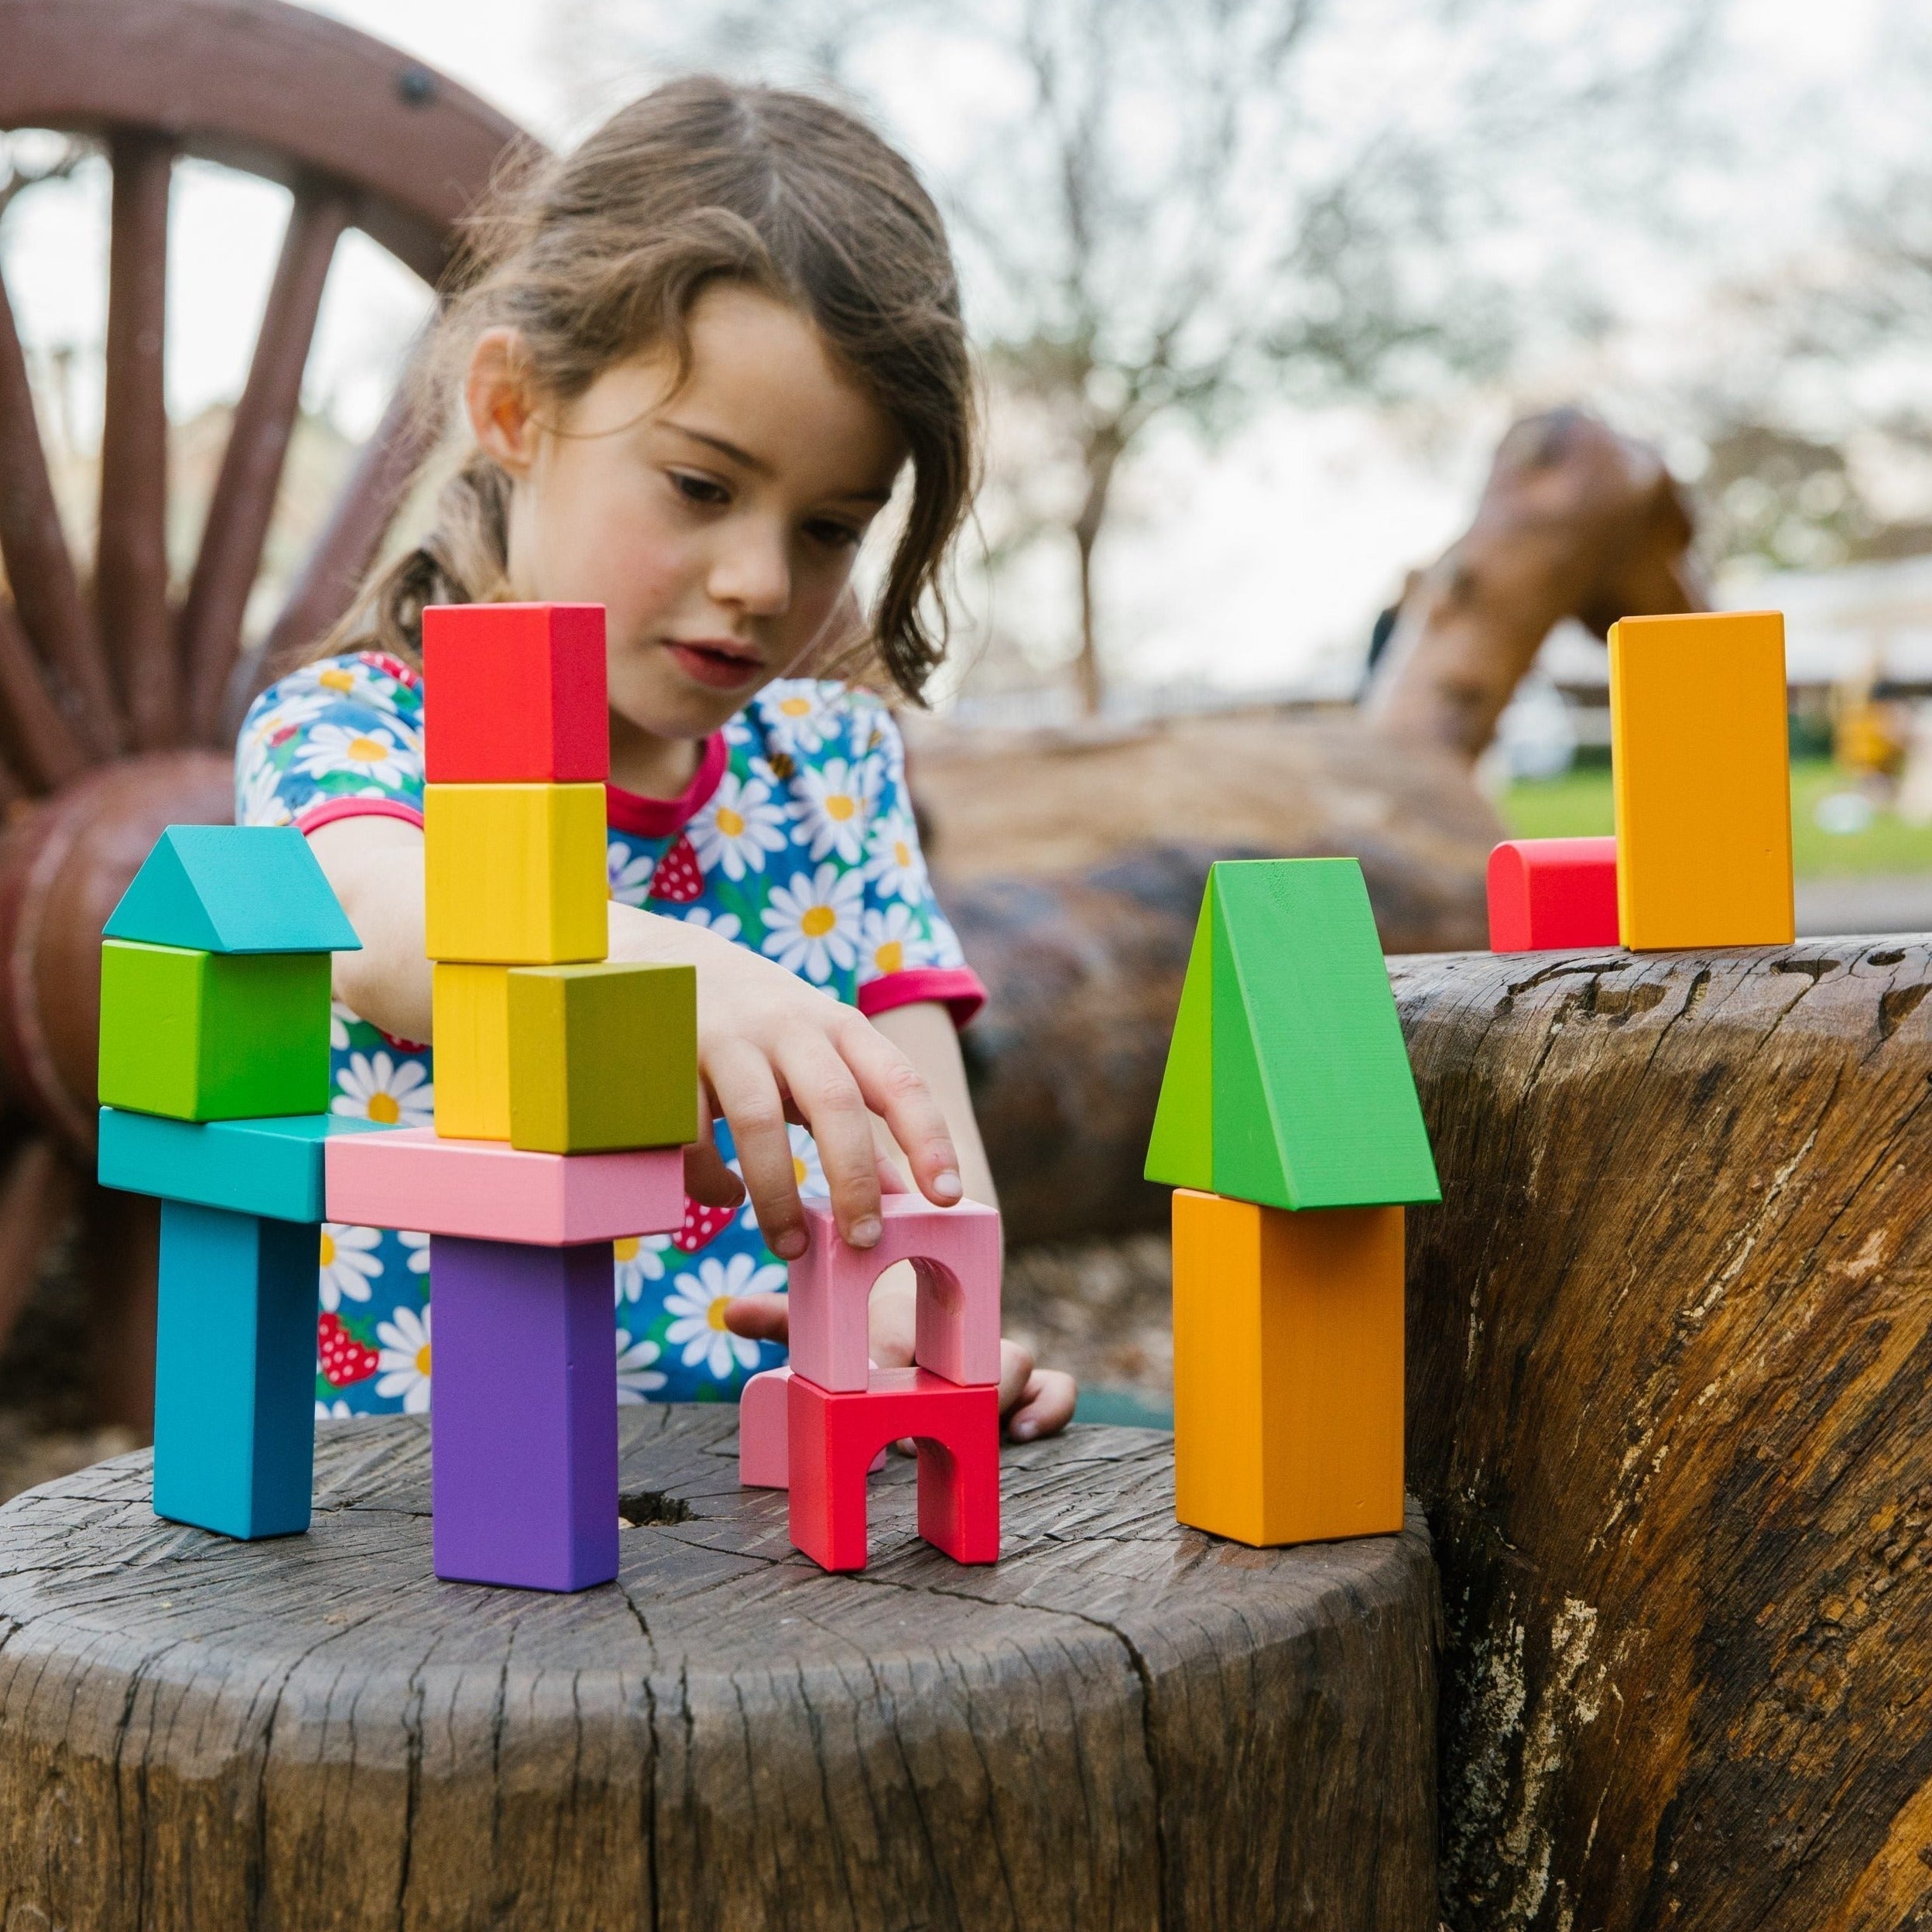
<point x="833" y="536"/>
<point x="699" y="489"/>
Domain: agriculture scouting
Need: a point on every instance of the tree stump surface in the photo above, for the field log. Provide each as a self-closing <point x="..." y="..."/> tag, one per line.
<point x="1123" y="1724"/>
<point x="1670" y="1359"/>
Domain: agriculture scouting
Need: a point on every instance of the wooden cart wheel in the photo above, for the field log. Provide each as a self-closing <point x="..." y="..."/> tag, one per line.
<point x="118" y="698"/>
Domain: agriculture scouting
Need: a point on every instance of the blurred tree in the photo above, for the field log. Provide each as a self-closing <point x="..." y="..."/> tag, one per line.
<point x="1181" y="210"/>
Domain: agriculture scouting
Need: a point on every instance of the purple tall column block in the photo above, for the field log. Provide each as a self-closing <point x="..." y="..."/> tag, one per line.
<point x="523" y="1421"/>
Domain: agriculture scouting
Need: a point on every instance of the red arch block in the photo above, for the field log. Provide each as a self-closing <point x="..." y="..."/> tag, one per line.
<point x="1548" y="893"/>
<point x="955" y="1252"/>
<point x="834" y="1436"/>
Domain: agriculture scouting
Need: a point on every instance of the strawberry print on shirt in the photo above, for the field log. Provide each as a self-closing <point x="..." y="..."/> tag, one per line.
<point x="795" y="838"/>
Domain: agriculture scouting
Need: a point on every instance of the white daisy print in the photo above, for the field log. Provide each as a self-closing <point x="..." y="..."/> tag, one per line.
<point x="340" y="1018"/>
<point x="889" y="941"/>
<point x="631" y="873"/>
<point x="893" y="861"/>
<point x="419" y="1248"/>
<point x="294" y="705"/>
<point x="404" y="1363"/>
<point x="739" y="824"/>
<point x="800" y="712"/>
<point x="336" y="1411"/>
<point x="697" y="1304"/>
<point x="349" y="1263"/>
<point x="834" y="809"/>
<point x="640" y="1258"/>
<point x="257" y="800"/>
<point x="812" y="927"/>
<point x="724" y="924"/>
<point x="636" y="1379"/>
<point x="375" y="753"/>
<point x="356" y="679"/>
<point x="389" y="1092"/>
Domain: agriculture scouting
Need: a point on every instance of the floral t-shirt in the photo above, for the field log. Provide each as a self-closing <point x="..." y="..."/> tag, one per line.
<point x="795" y="838"/>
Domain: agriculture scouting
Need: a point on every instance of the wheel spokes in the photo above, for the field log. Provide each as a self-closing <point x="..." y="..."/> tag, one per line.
<point x="244" y="499"/>
<point x="39" y="739"/>
<point x="130" y="558"/>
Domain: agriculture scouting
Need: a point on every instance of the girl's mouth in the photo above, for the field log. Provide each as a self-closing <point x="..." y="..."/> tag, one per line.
<point x="721" y="665"/>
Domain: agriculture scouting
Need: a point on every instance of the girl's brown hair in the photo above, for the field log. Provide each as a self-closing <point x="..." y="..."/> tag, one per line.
<point x="597" y="255"/>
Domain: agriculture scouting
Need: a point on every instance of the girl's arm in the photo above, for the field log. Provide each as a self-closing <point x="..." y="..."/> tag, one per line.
<point x="769" y="1047"/>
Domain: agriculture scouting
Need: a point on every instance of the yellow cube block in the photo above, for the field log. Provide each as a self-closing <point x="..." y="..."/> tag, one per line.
<point x="1700" y="767"/>
<point x="1288" y="1370"/>
<point x="514" y="874"/>
<point x="472" y="1046"/>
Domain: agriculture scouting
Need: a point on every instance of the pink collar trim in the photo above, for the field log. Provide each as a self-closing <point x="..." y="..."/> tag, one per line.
<point x="658" y="817"/>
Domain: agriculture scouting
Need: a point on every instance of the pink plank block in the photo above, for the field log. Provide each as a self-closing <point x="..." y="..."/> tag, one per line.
<point x="764" y="1438"/>
<point x="488" y="1191"/>
<point x="955" y="1254"/>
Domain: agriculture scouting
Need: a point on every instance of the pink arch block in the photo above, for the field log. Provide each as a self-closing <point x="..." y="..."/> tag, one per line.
<point x="955" y="1253"/>
<point x="833" y="1437"/>
<point x="764" y="1455"/>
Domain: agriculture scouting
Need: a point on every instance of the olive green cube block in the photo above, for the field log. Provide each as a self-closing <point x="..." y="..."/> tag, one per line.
<point x="603" y="1057"/>
<point x="200" y="1035"/>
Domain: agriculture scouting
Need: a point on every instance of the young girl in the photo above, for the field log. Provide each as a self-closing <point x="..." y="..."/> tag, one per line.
<point x="702" y="350"/>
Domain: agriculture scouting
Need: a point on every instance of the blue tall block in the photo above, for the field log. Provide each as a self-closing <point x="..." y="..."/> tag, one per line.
<point x="235" y="1372"/>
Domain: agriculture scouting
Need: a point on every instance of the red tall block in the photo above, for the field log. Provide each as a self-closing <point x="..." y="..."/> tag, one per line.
<point x="515" y="693"/>
<point x="834" y="1437"/>
<point x="1548" y="893"/>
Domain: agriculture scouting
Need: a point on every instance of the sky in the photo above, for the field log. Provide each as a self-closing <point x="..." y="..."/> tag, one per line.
<point x="1259" y="564"/>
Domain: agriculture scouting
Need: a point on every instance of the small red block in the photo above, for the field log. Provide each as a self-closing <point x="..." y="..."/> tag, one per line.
<point x="832" y="1438"/>
<point x="1545" y="893"/>
<point x="515" y="693"/>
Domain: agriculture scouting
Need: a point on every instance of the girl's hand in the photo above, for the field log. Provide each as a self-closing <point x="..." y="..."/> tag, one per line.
<point x="772" y="1049"/>
<point x="1033" y="1402"/>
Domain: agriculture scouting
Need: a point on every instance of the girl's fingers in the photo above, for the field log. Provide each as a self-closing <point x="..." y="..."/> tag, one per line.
<point x="1045" y="1407"/>
<point x="890" y="1086"/>
<point x="706" y="1179"/>
<point x="747" y="1091"/>
<point x="1016" y="1369"/>
<point x="759" y="1317"/>
<point x="823" y="1089"/>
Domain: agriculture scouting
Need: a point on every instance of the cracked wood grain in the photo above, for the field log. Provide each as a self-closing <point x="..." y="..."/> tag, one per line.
<point x="1671" y="1364"/>
<point x="1125" y="1723"/>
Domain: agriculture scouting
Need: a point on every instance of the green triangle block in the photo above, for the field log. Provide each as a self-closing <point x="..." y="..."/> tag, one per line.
<point x="1314" y="1104"/>
<point x="1181" y="1152"/>
<point x="233" y="888"/>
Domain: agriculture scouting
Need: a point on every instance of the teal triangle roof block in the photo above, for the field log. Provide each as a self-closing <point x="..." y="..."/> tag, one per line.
<point x="233" y="888"/>
<point x="1288" y="1083"/>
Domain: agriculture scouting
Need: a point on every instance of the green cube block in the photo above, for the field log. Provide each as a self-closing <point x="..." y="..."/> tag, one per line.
<point x="201" y="1035"/>
<point x="603" y="1057"/>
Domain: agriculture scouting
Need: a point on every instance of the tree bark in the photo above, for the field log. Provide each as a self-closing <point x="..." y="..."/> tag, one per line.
<point x="1670" y="1355"/>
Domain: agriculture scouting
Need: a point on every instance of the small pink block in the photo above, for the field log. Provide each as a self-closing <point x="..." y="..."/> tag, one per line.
<point x="489" y="1191"/>
<point x="954" y="1252"/>
<point x="764" y="1433"/>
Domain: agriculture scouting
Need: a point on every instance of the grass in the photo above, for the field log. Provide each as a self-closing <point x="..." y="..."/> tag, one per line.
<point x="1577" y="805"/>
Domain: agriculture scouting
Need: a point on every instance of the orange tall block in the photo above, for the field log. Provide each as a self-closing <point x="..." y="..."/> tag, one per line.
<point x="1288" y="1370"/>
<point x="1701" y="771"/>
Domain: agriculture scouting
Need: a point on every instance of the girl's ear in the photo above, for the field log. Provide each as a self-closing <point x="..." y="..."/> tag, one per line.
<point x="502" y="403"/>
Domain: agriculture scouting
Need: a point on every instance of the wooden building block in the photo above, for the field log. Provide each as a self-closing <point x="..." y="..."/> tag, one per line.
<point x="235" y="1372"/>
<point x="472" y="1039"/>
<point x="514" y="874"/>
<point x="1288" y="1370"/>
<point x="233" y="888"/>
<point x="271" y="1167"/>
<point x="204" y="1035"/>
<point x="602" y="1056"/>
<point x="523" y="1429"/>
<point x="833" y="1436"/>
<point x="483" y="1189"/>
<point x="764" y="1452"/>
<point x="1701" y="768"/>
<point x="955" y="1253"/>
<point x="1549" y="893"/>
<point x="514" y="693"/>
<point x="1288" y="1082"/>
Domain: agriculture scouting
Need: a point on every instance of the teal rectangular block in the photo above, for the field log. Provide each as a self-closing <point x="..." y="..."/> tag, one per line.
<point x="271" y="1166"/>
<point x="235" y="1372"/>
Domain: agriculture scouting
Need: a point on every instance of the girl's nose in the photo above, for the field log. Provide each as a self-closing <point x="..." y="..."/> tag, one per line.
<point x="753" y="572"/>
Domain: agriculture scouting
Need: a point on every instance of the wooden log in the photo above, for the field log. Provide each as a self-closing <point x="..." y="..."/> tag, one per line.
<point x="1670" y="1352"/>
<point x="1124" y="1724"/>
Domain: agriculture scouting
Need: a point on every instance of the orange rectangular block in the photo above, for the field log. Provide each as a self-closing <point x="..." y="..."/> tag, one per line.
<point x="1288" y="1370"/>
<point x="1701" y="765"/>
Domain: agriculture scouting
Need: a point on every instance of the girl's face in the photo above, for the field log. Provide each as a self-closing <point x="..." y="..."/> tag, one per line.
<point x="717" y="520"/>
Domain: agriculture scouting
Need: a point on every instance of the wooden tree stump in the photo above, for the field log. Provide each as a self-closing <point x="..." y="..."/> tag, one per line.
<point x="1671" y="1417"/>
<point x="1125" y="1723"/>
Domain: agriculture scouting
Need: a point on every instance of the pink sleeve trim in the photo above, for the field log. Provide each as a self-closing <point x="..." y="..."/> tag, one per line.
<point x="331" y="809"/>
<point x="957" y="987"/>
